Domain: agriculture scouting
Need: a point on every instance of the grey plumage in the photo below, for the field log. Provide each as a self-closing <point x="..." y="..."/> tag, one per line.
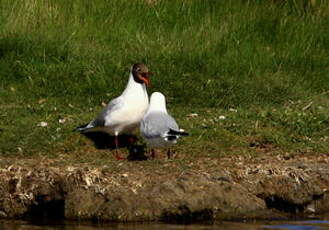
<point x="157" y="124"/>
<point x="158" y="128"/>
<point x="99" y="122"/>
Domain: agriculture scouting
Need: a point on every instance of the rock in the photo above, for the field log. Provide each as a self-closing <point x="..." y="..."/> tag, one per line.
<point x="181" y="200"/>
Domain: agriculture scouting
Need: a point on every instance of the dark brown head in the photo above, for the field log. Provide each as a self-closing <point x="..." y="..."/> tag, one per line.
<point x="141" y="73"/>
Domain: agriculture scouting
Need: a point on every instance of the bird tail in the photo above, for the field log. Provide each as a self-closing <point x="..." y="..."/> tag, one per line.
<point x="180" y="132"/>
<point x="173" y="135"/>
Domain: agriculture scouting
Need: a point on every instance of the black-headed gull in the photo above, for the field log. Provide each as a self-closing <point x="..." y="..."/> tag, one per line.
<point x="158" y="128"/>
<point x="123" y="114"/>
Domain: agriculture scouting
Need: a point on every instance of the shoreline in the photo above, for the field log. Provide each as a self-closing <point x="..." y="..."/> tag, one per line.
<point x="263" y="187"/>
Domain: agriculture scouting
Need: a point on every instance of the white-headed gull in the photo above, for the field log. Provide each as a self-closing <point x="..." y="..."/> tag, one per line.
<point x="158" y="128"/>
<point x="123" y="114"/>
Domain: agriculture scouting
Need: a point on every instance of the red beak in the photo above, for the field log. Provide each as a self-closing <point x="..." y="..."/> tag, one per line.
<point x="146" y="78"/>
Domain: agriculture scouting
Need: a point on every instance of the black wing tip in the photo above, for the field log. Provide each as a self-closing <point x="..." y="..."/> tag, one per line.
<point x="171" y="137"/>
<point x="180" y="133"/>
<point x="80" y="128"/>
<point x="184" y="134"/>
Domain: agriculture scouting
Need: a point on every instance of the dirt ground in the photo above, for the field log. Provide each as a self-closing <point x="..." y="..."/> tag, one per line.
<point x="266" y="186"/>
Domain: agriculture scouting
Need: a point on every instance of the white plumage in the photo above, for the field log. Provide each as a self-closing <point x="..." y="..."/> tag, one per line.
<point x="123" y="114"/>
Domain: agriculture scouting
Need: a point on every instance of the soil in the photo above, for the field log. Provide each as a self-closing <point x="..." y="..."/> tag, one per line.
<point x="202" y="189"/>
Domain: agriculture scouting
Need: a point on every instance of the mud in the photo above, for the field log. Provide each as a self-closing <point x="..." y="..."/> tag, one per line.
<point x="207" y="189"/>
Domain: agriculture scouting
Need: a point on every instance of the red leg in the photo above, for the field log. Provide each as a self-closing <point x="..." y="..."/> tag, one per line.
<point x="131" y="140"/>
<point x="152" y="153"/>
<point x="117" y="156"/>
<point x="116" y="141"/>
<point x="168" y="153"/>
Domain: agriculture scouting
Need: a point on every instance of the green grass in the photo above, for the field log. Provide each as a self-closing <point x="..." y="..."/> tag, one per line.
<point x="267" y="59"/>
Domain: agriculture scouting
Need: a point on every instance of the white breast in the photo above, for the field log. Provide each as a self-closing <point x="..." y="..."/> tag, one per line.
<point x="134" y="105"/>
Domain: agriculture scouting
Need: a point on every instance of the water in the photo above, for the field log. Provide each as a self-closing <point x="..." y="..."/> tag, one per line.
<point x="288" y="225"/>
<point x="301" y="225"/>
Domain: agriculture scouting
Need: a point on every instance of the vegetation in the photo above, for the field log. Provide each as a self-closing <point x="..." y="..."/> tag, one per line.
<point x="240" y="76"/>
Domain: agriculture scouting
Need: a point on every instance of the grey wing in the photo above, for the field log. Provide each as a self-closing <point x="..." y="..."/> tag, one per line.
<point x="157" y="125"/>
<point x="113" y="105"/>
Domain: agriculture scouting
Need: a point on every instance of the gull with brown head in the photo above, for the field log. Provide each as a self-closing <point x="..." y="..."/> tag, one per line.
<point x="123" y="114"/>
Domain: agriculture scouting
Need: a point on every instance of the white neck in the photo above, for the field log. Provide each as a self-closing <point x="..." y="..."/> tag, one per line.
<point x="133" y="87"/>
<point x="157" y="103"/>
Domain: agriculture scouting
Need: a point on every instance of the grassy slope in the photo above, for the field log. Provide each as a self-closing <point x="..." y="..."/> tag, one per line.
<point x="266" y="59"/>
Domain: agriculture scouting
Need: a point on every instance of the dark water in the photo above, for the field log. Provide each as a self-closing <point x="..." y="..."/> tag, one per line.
<point x="293" y="225"/>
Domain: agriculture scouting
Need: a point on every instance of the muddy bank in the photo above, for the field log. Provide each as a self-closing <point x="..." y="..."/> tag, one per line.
<point x="171" y="191"/>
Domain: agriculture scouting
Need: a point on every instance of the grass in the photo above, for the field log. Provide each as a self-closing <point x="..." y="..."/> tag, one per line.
<point x="262" y="64"/>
